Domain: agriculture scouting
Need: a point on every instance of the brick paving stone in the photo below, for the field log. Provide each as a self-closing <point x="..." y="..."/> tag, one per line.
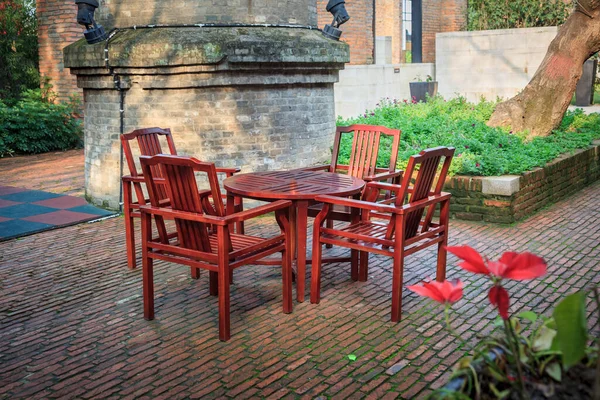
<point x="71" y="318"/>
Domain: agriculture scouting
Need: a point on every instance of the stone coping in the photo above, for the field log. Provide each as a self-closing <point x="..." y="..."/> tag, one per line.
<point x="168" y="46"/>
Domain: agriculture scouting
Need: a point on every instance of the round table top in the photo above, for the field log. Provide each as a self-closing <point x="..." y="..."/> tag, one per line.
<point x="292" y="185"/>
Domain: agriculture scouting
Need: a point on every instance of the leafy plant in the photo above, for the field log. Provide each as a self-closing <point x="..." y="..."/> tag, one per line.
<point x="493" y="14"/>
<point x="35" y="124"/>
<point x="480" y="149"/>
<point x="553" y="346"/>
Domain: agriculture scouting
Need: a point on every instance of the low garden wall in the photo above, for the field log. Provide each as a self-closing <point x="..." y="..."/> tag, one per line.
<point x="510" y="198"/>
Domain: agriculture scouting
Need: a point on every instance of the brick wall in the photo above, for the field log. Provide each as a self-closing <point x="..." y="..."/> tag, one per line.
<point x="357" y="32"/>
<point x="537" y="189"/>
<point x="388" y="22"/>
<point x="57" y="28"/>
<point x="441" y="16"/>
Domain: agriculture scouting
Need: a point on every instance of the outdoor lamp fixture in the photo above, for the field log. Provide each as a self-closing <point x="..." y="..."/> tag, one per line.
<point x="338" y="9"/>
<point x="94" y="33"/>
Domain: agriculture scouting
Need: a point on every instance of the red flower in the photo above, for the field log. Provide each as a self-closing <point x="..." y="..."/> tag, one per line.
<point x="442" y="292"/>
<point x="499" y="298"/>
<point x="517" y="266"/>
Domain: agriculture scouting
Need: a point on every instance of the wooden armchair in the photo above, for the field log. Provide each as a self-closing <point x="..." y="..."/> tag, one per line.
<point x="362" y="164"/>
<point x="149" y="143"/>
<point x="198" y="244"/>
<point x="396" y="227"/>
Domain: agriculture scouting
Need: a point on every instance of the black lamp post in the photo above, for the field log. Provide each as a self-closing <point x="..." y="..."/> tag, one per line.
<point x="338" y="9"/>
<point x="94" y="33"/>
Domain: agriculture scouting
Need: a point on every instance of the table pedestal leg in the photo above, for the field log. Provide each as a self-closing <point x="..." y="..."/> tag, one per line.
<point x="301" y="224"/>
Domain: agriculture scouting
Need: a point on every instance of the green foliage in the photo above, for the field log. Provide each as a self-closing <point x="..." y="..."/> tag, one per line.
<point x="36" y="125"/>
<point x="480" y="149"/>
<point x="494" y="14"/>
<point x="18" y="48"/>
<point x="571" y="326"/>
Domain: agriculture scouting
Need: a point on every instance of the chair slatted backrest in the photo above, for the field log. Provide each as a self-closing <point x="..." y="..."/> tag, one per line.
<point x="422" y="178"/>
<point x="179" y="175"/>
<point x="365" y="148"/>
<point x="148" y="140"/>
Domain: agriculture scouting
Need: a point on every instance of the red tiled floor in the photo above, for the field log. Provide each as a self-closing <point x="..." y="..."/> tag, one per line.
<point x="62" y="217"/>
<point x="9" y="189"/>
<point x="7" y="203"/>
<point x="63" y="202"/>
<point x="71" y="317"/>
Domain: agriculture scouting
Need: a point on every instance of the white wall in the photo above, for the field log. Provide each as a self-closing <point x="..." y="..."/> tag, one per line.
<point x="361" y="87"/>
<point x="489" y="63"/>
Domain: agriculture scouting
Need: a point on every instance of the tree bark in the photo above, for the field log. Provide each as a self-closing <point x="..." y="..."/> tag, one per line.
<point x="540" y="107"/>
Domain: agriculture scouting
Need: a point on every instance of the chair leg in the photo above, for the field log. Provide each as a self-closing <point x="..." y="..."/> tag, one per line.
<point x="147" y="270"/>
<point x="224" y="306"/>
<point x="195" y="272"/>
<point x="129" y="227"/>
<point x="440" y="274"/>
<point x="354" y="264"/>
<point x="213" y="278"/>
<point x="329" y="225"/>
<point x="397" y="278"/>
<point x="315" y="282"/>
<point x="363" y="270"/>
<point x="286" y="273"/>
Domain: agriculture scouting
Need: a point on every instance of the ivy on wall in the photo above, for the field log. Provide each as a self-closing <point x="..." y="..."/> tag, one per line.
<point x="506" y="14"/>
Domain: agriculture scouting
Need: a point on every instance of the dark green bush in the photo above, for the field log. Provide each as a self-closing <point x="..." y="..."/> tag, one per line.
<point x="480" y="149"/>
<point x="35" y="125"/>
<point x="494" y="14"/>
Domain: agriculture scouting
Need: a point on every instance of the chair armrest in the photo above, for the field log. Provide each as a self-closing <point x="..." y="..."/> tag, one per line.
<point x="228" y="171"/>
<point x="188" y="216"/>
<point x="257" y="211"/>
<point x="425" y="202"/>
<point x="316" y="168"/>
<point x="129" y="178"/>
<point x="384" y="175"/>
<point x="384" y="186"/>
<point x="365" y="205"/>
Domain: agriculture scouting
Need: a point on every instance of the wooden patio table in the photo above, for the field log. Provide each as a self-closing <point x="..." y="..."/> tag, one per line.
<point x="299" y="186"/>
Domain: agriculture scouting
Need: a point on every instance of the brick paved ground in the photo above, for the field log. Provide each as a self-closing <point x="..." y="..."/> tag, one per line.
<point x="71" y="322"/>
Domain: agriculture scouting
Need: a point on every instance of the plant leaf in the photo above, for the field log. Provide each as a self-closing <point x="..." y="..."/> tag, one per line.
<point x="499" y="394"/>
<point x="351" y="357"/>
<point x="554" y="371"/>
<point x="528" y="315"/>
<point x="544" y="338"/>
<point x="571" y="326"/>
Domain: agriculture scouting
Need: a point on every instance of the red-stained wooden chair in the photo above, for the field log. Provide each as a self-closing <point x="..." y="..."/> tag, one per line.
<point x="362" y="164"/>
<point x="149" y="144"/>
<point x="396" y="227"/>
<point x="198" y="244"/>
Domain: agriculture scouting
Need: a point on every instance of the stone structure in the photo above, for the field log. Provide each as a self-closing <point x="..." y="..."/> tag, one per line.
<point x="255" y="97"/>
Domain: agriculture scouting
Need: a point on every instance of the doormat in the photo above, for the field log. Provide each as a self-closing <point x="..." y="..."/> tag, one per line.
<point x="24" y="212"/>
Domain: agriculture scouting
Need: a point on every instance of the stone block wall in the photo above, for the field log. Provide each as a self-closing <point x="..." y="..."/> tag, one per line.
<point x="57" y="28"/>
<point x="499" y="62"/>
<point x="510" y="199"/>
<point x="441" y="16"/>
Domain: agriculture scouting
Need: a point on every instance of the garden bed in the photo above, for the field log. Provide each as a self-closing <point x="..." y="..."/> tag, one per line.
<point x="511" y="198"/>
<point x="496" y="175"/>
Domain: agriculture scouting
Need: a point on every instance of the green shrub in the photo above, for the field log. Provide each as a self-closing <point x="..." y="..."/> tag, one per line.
<point x="494" y="14"/>
<point x="480" y="149"/>
<point x="36" y="125"/>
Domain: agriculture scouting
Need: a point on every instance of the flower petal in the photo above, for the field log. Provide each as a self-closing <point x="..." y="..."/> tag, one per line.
<point x="425" y="292"/>
<point x="473" y="262"/>
<point x="525" y="266"/>
<point x="499" y="298"/>
<point x="456" y="293"/>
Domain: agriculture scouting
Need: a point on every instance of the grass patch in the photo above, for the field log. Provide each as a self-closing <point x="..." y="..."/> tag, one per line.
<point x="480" y="149"/>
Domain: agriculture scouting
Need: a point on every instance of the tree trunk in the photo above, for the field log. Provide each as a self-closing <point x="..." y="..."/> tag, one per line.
<point x="540" y="107"/>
